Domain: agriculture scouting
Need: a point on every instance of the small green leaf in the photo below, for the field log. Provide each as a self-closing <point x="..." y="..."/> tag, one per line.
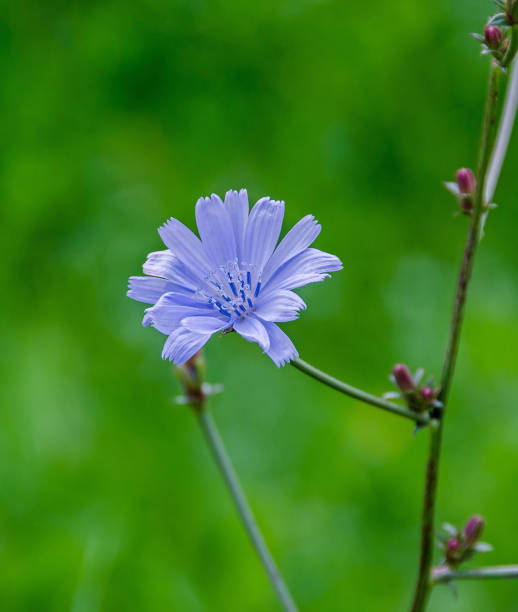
<point x="452" y="187"/>
<point x="482" y="547"/>
<point x="391" y="395"/>
<point x="450" y="529"/>
<point x="478" y="37"/>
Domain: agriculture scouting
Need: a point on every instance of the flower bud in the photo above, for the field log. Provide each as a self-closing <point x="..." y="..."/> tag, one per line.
<point x="191" y="375"/>
<point x="493" y="36"/>
<point x="403" y="378"/>
<point x="428" y="394"/>
<point x="466" y="181"/>
<point x="473" y="530"/>
<point x="452" y="544"/>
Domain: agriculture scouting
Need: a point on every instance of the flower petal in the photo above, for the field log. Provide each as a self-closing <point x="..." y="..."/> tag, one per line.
<point x="182" y="344"/>
<point x="166" y="265"/>
<point x="253" y="330"/>
<point x="215" y="228"/>
<point x="149" y="290"/>
<point x="237" y="206"/>
<point x="171" y="308"/>
<point x="279" y="306"/>
<point x="282" y="349"/>
<point x="310" y="266"/>
<point x="300" y="236"/>
<point x="262" y="231"/>
<point x="205" y="325"/>
<point x="186" y="246"/>
<point x="160" y="263"/>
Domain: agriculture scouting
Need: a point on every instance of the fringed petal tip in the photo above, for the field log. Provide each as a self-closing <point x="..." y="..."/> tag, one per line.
<point x="280" y="363"/>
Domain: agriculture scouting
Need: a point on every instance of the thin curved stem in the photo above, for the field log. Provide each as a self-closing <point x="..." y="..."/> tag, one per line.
<point x="358" y="394"/>
<point x="504" y="134"/>
<point x="445" y="574"/>
<point x="422" y="589"/>
<point x="229" y="474"/>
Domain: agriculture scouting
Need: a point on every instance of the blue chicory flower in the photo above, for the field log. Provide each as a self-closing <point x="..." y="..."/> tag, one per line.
<point x="233" y="277"/>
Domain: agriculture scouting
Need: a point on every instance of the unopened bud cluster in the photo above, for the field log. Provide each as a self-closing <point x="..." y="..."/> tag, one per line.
<point x="496" y="40"/>
<point x="459" y="546"/>
<point x="418" y="397"/>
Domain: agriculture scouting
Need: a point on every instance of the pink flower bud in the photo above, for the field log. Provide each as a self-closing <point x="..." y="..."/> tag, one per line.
<point x="452" y="544"/>
<point x="403" y="378"/>
<point x="466" y="181"/>
<point x="428" y="394"/>
<point x="473" y="530"/>
<point x="493" y="36"/>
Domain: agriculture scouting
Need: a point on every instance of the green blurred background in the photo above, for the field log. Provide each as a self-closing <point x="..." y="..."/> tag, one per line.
<point x="117" y="115"/>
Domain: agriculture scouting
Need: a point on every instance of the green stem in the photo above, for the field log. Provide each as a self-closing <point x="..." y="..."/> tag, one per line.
<point x="238" y="496"/>
<point x="358" y="394"/>
<point x="422" y="589"/>
<point x="513" y="47"/>
<point x="445" y="574"/>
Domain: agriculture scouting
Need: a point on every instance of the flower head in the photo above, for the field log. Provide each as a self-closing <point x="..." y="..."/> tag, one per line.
<point x="235" y="277"/>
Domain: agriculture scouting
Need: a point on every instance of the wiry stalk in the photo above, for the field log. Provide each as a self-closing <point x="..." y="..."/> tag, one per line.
<point x="432" y="470"/>
<point x="245" y="512"/>
<point x="358" y="394"/>
<point x="445" y="574"/>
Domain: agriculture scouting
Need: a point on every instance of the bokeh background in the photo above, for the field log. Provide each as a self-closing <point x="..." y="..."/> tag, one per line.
<point x="117" y="115"/>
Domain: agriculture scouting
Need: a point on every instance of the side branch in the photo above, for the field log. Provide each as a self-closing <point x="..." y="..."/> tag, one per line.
<point x="358" y="394"/>
<point x="445" y="574"/>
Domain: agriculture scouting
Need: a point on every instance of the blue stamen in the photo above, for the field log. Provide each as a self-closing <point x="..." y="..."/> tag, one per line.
<point x="242" y="307"/>
<point x="257" y="289"/>
<point x="233" y="287"/>
<point x="250" y="303"/>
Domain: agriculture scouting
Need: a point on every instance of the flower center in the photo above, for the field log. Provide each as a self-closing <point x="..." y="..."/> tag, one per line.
<point x="232" y="289"/>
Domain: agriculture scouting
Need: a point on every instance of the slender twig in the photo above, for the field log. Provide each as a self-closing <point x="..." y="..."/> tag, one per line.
<point x="229" y="474"/>
<point x="358" y="394"/>
<point x="428" y="519"/>
<point x="445" y="574"/>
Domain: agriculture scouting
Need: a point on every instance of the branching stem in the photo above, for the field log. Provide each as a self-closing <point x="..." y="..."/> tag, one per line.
<point x="445" y="574"/>
<point x="432" y="470"/>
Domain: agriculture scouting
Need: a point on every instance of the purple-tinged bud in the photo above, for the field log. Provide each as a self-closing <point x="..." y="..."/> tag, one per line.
<point x="452" y="544"/>
<point x="428" y="394"/>
<point x="466" y="181"/>
<point x="191" y="375"/>
<point x="473" y="530"/>
<point x="493" y="36"/>
<point x="403" y="378"/>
